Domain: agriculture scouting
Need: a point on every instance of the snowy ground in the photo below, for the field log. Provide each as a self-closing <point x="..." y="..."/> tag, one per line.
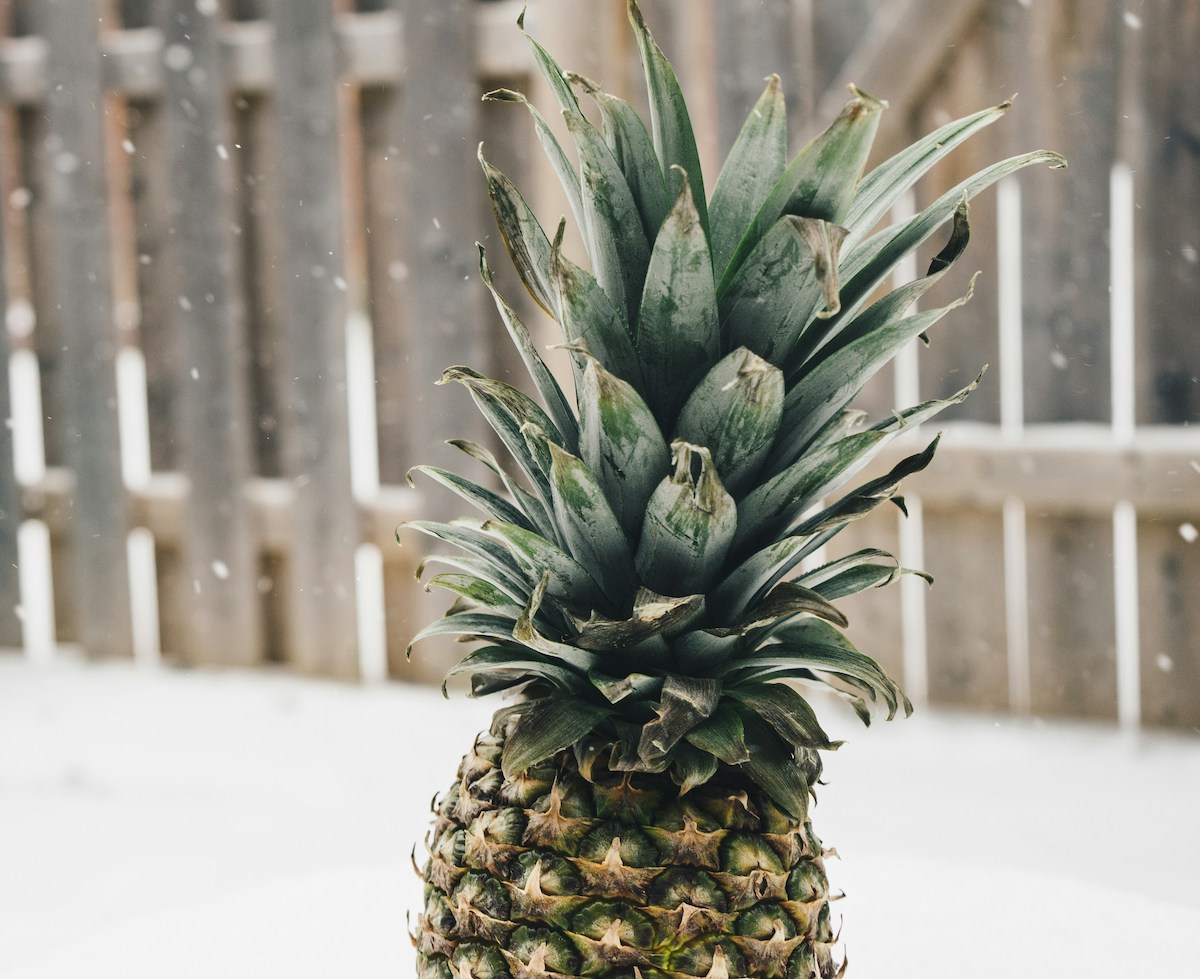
<point x="166" y="824"/>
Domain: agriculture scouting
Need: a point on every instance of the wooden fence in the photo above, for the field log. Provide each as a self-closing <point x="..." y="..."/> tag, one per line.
<point x="237" y="244"/>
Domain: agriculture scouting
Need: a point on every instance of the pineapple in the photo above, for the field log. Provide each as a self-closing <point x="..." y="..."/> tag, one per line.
<point x="641" y="585"/>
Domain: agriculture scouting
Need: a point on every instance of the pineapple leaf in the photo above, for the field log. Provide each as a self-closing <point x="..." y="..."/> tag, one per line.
<point x="865" y="498"/>
<point x="867" y="265"/>
<point x="474" y="625"/>
<point x="754" y="576"/>
<point x="787" y="712"/>
<point x="817" y="646"/>
<point x="754" y="165"/>
<point x="526" y="241"/>
<point x="587" y="314"/>
<point x="514" y="663"/>
<point x="735" y="412"/>
<point x="640" y="686"/>
<point x="526" y="632"/>
<point x="474" y="541"/>
<point x="545" y="727"/>
<point x="507" y="410"/>
<point x="677" y="329"/>
<point x="783" y="603"/>
<point x="691" y="767"/>
<point x="590" y="528"/>
<point x="862" y="570"/>
<point x="621" y="443"/>
<point x="616" y="243"/>
<point x="772" y="766"/>
<point x="828" y="383"/>
<point x="652" y="614"/>
<point x="479" y="591"/>
<point x="674" y="140"/>
<point x="842" y="330"/>
<point x="552" y="396"/>
<point x="721" y="735"/>
<point x="820" y="180"/>
<point x="568" y="176"/>
<point x="490" y="503"/>
<point x="690" y="523"/>
<point x="569" y="581"/>
<point x="881" y="188"/>
<point x="789" y="280"/>
<point x="530" y="505"/>
<point x="685" y="702"/>
<point x="631" y="144"/>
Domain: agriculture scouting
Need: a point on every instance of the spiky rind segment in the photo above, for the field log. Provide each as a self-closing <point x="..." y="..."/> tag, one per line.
<point x="643" y="585"/>
<point x="570" y="871"/>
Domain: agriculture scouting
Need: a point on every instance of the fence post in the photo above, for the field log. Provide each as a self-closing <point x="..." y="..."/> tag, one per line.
<point x="316" y="448"/>
<point x="220" y="547"/>
<point x="80" y="248"/>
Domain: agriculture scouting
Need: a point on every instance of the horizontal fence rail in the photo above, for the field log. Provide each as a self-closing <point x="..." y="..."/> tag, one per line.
<point x="238" y="250"/>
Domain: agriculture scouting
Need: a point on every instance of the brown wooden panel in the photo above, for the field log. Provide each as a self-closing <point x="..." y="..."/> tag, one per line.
<point x="1169" y="620"/>
<point x="80" y="246"/>
<point x="220" y="547"/>
<point x="1072" y="645"/>
<point x="967" y="637"/>
<point x="1164" y="151"/>
<point x="316" y="453"/>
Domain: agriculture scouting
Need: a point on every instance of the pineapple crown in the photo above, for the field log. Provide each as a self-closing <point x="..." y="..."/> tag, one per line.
<point x="638" y="585"/>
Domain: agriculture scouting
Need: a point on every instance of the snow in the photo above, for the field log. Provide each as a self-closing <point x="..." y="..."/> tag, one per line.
<point x="166" y="823"/>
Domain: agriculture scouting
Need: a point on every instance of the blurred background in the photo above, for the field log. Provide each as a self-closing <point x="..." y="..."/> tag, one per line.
<point x="237" y="244"/>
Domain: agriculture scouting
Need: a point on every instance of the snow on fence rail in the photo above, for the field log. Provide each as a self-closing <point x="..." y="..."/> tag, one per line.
<point x="276" y="327"/>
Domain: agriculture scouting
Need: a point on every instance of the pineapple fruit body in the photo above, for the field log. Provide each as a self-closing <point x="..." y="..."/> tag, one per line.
<point x="560" y="872"/>
<point x="646" y="578"/>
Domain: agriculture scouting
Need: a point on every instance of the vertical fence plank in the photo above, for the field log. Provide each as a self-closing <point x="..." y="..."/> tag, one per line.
<point x="10" y="508"/>
<point x="441" y="187"/>
<point x="316" y="437"/>
<point x="967" y="640"/>
<point x="1166" y="161"/>
<point x="968" y="659"/>
<point x="1065" y="232"/>
<point x="81" y="251"/>
<point x="1168" y="570"/>
<point x="220" y="549"/>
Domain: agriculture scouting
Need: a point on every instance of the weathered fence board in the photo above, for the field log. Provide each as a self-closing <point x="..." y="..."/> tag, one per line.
<point x="10" y="506"/>
<point x="80" y="245"/>
<point x="316" y="433"/>
<point x="209" y="327"/>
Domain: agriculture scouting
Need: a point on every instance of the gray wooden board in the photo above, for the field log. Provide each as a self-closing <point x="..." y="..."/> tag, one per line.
<point x="965" y="609"/>
<point x="316" y="451"/>
<point x="151" y="193"/>
<point x="1169" y="619"/>
<point x="443" y="190"/>
<point x="1163" y="149"/>
<point x="1072" y="632"/>
<point x="10" y="507"/>
<point x="81" y="252"/>
<point x="220" y="549"/>
<point x="1063" y="56"/>
<point x="753" y="40"/>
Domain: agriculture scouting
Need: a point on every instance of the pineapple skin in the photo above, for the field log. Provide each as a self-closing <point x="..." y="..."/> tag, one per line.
<point x="552" y="873"/>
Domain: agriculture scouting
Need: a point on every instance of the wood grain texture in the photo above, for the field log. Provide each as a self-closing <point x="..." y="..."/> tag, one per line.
<point x="965" y="609"/>
<point x="315" y="436"/>
<point x="220" y="547"/>
<point x="1072" y="632"/>
<point x="1169" y="620"/>
<point x="80" y="247"/>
